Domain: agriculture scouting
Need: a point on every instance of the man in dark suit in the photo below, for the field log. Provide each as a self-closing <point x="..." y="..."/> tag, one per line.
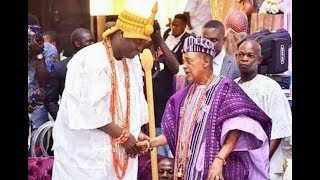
<point x="80" y="38"/>
<point x="223" y="64"/>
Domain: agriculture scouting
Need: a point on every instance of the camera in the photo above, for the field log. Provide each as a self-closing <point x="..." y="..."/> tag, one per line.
<point x="34" y="34"/>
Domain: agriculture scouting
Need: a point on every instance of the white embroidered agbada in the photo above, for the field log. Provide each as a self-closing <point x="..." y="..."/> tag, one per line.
<point x="81" y="151"/>
<point x="269" y="96"/>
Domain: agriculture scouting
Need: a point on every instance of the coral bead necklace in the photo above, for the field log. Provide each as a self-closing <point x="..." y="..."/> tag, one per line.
<point x="120" y="158"/>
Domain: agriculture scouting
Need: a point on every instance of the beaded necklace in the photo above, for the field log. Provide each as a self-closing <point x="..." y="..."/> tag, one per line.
<point x="120" y="158"/>
<point x="182" y="149"/>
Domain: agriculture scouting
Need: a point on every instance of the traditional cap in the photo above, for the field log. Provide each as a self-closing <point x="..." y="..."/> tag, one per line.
<point x="198" y="44"/>
<point x="133" y="25"/>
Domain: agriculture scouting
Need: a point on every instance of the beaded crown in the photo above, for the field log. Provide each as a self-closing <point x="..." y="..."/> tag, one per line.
<point x="133" y="25"/>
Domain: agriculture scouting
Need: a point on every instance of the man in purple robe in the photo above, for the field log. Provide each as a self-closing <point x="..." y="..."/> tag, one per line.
<point x="213" y="128"/>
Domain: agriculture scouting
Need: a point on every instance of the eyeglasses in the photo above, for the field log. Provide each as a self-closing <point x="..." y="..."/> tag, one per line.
<point x="242" y="55"/>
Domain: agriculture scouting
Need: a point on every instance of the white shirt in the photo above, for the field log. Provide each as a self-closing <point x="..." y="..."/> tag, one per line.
<point x="217" y="62"/>
<point x="268" y="95"/>
<point x="172" y="41"/>
<point x="81" y="150"/>
<point x="200" y="13"/>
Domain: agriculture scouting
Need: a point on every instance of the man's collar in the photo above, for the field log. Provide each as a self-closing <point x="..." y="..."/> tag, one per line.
<point x="219" y="58"/>
<point x="179" y="37"/>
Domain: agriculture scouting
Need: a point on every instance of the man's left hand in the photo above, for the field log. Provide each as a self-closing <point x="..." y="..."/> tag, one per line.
<point x="215" y="171"/>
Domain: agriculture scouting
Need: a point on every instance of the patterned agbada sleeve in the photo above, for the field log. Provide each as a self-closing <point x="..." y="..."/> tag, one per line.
<point x="170" y="118"/>
<point x="239" y="103"/>
<point x="168" y="125"/>
<point x="231" y="101"/>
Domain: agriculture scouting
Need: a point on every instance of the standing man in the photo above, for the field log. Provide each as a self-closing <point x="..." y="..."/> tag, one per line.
<point x="223" y="63"/>
<point x="198" y="12"/>
<point x="176" y="34"/>
<point x="103" y="105"/>
<point x="211" y="125"/>
<point x="268" y="95"/>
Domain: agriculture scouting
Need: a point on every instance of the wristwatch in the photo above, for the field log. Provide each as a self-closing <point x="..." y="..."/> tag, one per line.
<point x="40" y="56"/>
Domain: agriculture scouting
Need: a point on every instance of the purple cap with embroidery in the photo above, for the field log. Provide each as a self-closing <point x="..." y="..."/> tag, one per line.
<point x="198" y="44"/>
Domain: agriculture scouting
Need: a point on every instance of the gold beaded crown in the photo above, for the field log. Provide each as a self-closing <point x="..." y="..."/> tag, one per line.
<point x="133" y="25"/>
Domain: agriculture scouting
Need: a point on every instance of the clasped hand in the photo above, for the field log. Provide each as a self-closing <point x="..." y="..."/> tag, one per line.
<point x="134" y="148"/>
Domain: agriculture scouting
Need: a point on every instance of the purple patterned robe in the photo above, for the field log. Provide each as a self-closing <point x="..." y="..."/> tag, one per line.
<point x="228" y="101"/>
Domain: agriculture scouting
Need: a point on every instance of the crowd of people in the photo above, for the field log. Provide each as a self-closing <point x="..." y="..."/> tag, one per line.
<point x="225" y="122"/>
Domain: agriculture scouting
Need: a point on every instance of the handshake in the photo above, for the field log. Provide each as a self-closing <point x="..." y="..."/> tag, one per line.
<point x="134" y="147"/>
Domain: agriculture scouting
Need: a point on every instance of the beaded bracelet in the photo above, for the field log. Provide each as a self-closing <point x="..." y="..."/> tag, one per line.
<point x="224" y="161"/>
<point x="123" y="137"/>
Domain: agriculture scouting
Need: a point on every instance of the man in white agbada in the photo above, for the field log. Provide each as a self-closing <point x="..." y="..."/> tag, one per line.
<point x="268" y="95"/>
<point x="103" y="106"/>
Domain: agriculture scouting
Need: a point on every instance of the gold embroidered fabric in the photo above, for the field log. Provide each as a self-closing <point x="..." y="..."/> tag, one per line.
<point x="220" y="8"/>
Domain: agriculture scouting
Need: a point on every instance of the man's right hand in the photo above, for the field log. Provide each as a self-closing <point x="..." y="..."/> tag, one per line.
<point x="115" y="131"/>
<point x="130" y="146"/>
<point x="156" y="35"/>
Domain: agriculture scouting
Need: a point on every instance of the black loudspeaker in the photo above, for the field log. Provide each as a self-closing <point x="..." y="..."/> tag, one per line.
<point x="275" y="56"/>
